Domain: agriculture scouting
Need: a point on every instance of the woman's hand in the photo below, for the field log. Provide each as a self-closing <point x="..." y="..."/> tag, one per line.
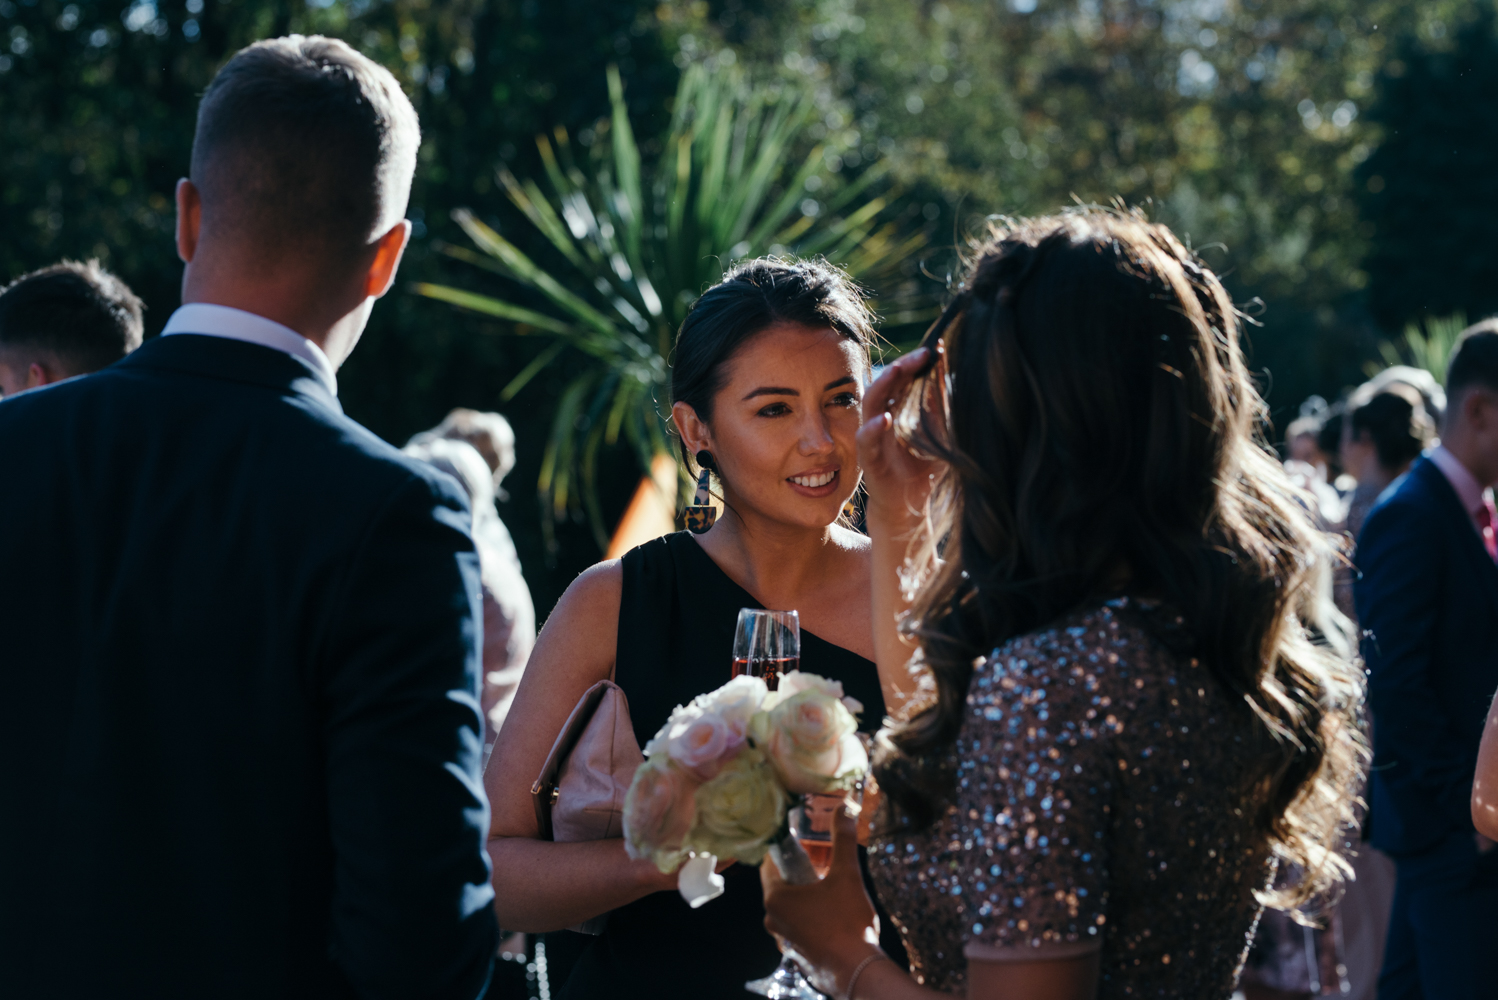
<point x="898" y="481"/>
<point x="830" y="923"/>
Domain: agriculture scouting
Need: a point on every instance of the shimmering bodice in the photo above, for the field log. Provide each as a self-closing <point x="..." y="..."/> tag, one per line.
<point x="1101" y="802"/>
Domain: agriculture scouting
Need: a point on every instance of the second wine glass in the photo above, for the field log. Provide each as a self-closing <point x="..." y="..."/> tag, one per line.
<point x="767" y="644"/>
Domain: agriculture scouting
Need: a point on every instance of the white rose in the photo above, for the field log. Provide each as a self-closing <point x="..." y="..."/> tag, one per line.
<point x="659" y="810"/>
<point x="795" y="682"/>
<point x="811" y="740"/>
<point x="739" y="810"/>
<point x="702" y="745"/>
<point x="736" y="701"/>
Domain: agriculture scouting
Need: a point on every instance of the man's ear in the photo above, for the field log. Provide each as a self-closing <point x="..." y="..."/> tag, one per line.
<point x="1475" y="404"/>
<point x="37" y="375"/>
<point x="692" y="428"/>
<point x="387" y="257"/>
<point x="189" y="219"/>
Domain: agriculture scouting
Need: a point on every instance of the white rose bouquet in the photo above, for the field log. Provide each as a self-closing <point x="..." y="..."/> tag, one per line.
<point x="721" y="774"/>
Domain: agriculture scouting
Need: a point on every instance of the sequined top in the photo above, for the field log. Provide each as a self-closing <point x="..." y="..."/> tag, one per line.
<point x="1099" y="804"/>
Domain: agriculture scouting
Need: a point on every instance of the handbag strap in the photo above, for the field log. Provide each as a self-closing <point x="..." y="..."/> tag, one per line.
<point x="545" y="790"/>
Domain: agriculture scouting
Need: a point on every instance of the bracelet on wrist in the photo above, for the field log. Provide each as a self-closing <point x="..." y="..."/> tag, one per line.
<point x="858" y="971"/>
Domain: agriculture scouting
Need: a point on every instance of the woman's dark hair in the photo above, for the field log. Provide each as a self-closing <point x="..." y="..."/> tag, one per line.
<point x="1329" y="440"/>
<point x="1101" y="435"/>
<point x="753" y="296"/>
<point x="1396" y="421"/>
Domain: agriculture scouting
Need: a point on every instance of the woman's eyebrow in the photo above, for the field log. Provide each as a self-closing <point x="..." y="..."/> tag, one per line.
<point x="772" y="390"/>
<point x="777" y="390"/>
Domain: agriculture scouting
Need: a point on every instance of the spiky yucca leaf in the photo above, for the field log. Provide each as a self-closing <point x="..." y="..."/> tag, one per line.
<point x="1429" y="349"/>
<point x="638" y="241"/>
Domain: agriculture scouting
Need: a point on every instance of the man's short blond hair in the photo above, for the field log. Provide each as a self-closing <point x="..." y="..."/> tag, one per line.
<point x="304" y="146"/>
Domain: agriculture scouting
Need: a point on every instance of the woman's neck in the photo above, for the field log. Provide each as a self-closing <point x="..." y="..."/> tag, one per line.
<point x="774" y="561"/>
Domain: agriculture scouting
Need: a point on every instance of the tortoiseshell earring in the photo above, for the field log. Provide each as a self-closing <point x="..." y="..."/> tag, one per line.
<point x="702" y="513"/>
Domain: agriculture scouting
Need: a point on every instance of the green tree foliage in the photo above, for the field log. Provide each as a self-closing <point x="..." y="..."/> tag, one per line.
<point x="638" y="239"/>
<point x="1240" y="123"/>
<point x="1430" y="189"/>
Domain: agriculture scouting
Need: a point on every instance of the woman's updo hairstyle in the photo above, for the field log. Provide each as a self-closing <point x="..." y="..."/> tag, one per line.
<point x="754" y="296"/>
<point x="1396" y="421"/>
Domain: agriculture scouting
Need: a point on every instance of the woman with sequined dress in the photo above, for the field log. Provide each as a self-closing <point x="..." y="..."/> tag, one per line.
<point x="1120" y="712"/>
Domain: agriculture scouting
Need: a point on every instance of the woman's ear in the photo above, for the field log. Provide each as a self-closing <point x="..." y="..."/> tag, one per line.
<point x="693" y="430"/>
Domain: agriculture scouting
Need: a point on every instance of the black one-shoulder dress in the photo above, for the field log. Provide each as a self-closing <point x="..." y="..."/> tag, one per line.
<point x="677" y="617"/>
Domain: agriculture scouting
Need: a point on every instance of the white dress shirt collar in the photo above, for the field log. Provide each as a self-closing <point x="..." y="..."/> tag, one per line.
<point x="1468" y="490"/>
<point x="236" y="324"/>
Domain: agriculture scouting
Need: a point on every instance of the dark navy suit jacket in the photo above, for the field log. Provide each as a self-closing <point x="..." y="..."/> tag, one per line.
<point x="1427" y="599"/>
<point x="239" y="720"/>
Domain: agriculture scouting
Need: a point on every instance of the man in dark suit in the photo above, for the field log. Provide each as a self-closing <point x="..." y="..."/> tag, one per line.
<point x="1428" y="600"/>
<point x="239" y="728"/>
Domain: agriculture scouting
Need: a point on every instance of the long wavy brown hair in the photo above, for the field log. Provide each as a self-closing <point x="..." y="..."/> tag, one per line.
<point x="1100" y="434"/>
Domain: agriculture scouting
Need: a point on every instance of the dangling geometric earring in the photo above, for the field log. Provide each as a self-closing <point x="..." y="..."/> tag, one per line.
<point x="702" y="514"/>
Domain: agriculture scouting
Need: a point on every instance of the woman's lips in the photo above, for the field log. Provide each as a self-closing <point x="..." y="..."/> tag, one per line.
<point x="827" y="484"/>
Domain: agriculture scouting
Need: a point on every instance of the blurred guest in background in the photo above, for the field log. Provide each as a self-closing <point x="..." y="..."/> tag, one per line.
<point x="1311" y="468"/>
<point x="64" y="320"/>
<point x="490" y="433"/>
<point x="1386" y="429"/>
<point x="477" y="449"/>
<point x="1422" y="381"/>
<point x="1341" y="953"/>
<point x="1428" y="598"/>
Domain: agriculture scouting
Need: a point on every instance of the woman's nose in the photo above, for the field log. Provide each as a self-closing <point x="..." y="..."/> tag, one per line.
<point x="816" y="435"/>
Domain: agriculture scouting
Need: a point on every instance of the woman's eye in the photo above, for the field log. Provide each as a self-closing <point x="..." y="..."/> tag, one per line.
<point x="846" y="399"/>
<point x="774" y="410"/>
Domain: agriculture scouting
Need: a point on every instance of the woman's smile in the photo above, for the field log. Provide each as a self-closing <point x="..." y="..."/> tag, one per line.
<point x="817" y="483"/>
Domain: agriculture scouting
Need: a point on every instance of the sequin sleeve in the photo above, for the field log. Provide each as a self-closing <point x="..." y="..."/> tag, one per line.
<point x="1034" y="796"/>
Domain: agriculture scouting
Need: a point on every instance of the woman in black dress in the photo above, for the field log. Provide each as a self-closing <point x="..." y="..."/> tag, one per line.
<point x="767" y="377"/>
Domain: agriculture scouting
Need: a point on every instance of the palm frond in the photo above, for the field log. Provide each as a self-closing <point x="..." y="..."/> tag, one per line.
<point x="636" y="242"/>
<point x="1429" y="348"/>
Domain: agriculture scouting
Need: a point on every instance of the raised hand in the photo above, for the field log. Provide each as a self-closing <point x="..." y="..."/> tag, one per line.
<point x="897" y="479"/>
<point x="899" y="482"/>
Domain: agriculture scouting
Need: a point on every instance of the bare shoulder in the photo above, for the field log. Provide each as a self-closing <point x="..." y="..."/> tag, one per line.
<point x="582" y="630"/>
<point x="597" y="590"/>
<point x="574" y="650"/>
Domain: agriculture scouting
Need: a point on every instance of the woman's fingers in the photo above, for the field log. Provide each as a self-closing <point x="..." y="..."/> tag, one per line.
<point x="769" y="874"/>
<point x="891" y="382"/>
<point x="844" y="841"/>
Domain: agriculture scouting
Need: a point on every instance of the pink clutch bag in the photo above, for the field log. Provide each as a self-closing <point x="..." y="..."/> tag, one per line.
<point x="579" y="794"/>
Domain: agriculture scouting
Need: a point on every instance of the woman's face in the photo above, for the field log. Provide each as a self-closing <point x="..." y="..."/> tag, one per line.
<point x="782" y="428"/>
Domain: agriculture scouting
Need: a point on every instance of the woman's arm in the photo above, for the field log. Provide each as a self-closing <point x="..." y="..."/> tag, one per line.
<point x="539" y="885"/>
<point x="831" y="924"/>
<point x="1485" y="785"/>
<point x="898" y="484"/>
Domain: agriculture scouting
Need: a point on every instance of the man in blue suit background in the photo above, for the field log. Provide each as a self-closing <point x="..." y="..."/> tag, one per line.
<point x="239" y="729"/>
<point x="1428" y="600"/>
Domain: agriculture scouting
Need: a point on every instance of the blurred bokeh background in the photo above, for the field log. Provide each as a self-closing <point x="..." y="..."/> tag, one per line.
<point x="1336" y="160"/>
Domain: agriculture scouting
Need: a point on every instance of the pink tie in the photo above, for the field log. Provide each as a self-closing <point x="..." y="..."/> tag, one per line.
<point x="1487" y="516"/>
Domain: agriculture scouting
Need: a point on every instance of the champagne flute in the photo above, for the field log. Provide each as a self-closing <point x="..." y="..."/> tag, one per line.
<point x="811" y="823"/>
<point x="767" y="644"/>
